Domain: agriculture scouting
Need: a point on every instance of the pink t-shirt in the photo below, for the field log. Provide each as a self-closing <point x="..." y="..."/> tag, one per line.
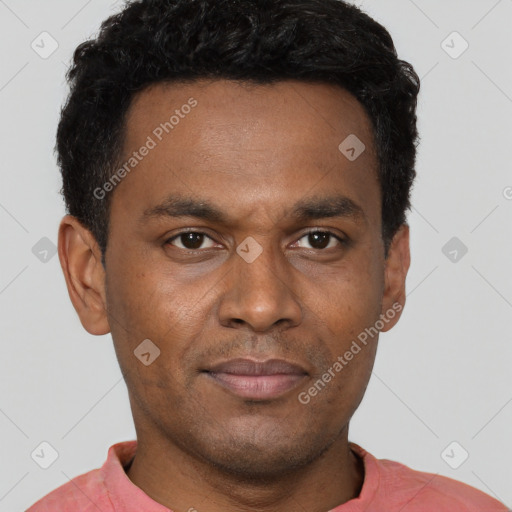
<point x="388" y="487"/>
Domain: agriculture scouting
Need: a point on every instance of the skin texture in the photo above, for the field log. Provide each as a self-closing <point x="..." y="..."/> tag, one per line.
<point x="252" y="151"/>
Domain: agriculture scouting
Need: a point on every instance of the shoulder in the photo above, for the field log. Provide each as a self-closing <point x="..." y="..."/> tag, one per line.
<point x="391" y="485"/>
<point x="86" y="493"/>
<point x="419" y="489"/>
<point x="89" y="492"/>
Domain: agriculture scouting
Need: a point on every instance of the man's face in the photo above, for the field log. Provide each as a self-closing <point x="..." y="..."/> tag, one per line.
<point x="258" y="282"/>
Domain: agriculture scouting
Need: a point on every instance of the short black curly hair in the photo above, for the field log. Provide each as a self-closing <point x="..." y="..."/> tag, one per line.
<point x="257" y="41"/>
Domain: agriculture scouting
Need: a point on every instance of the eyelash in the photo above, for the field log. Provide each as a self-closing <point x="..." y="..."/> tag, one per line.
<point x="341" y="240"/>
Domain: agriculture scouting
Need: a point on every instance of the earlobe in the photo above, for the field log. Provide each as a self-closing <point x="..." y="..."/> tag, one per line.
<point x="396" y="267"/>
<point x="80" y="259"/>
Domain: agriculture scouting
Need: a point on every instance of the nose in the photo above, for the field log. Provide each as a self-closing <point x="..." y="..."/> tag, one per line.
<point x="260" y="293"/>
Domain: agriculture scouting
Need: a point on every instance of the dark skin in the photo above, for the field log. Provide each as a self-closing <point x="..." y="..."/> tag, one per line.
<point x="252" y="152"/>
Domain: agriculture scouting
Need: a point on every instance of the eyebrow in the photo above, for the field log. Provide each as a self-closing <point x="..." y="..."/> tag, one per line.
<point x="312" y="208"/>
<point x="327" y="207"/>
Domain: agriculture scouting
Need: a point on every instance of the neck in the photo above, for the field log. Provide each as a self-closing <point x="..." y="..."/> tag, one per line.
<point x="180" y="482"/>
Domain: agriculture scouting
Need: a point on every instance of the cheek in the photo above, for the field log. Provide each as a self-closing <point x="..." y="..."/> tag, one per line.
<point x="348" y="299"/>
<point x="142" y="296"/>
<point x="336" y="393"/>
<point x="143" y="307"/>
<point x="153" y="303"/>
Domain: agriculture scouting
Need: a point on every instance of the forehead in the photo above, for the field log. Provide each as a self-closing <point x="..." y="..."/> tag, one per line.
<point x="246" y="143"/>
<point x="304" y="109"/>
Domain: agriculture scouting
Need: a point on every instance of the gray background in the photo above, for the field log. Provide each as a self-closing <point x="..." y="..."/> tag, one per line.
<point x="441" y="375"/>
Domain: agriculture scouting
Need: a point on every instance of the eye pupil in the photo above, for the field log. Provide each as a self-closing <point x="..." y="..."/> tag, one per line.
<point x="319" y="236"/>
<point x="192" y="240"/>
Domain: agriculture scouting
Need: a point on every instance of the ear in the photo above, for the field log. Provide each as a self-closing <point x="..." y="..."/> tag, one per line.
<point x="396" y="267"/>
<point x="80" y="259"/>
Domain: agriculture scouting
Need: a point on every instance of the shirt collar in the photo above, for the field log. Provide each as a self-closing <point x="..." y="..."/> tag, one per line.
<point x="123" y="493"/>
<point x="127" y="497"/>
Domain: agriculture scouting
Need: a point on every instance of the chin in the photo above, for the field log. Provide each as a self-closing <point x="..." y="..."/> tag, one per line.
<point x="264" y="457"/>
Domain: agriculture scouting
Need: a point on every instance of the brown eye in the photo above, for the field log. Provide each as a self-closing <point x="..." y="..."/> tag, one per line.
<point x="322" y="239"/>
<point x="190" y="240"/>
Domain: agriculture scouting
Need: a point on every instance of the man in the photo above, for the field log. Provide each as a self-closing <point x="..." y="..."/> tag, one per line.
<point x="237" y="174"/>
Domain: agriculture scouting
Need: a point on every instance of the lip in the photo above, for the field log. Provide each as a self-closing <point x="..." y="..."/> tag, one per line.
<point x="257" y="380"/>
